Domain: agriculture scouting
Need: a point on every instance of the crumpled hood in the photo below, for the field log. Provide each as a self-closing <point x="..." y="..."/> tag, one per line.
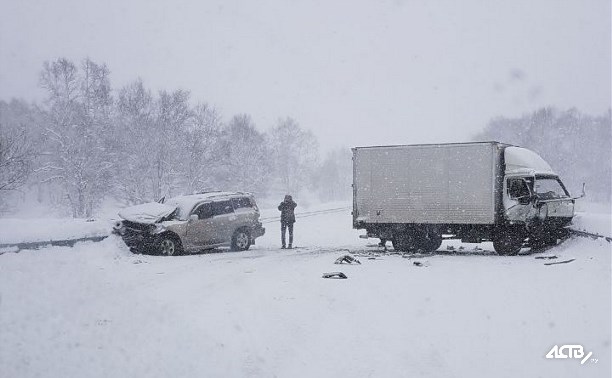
<point x="148" y="213"/>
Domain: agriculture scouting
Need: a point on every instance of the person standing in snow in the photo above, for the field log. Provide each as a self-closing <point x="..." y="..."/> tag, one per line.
<point x="287" y="219"/>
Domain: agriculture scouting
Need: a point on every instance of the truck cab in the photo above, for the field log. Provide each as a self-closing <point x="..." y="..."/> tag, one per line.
<point x="535" y="197"/>
<point x="531" y="183"/>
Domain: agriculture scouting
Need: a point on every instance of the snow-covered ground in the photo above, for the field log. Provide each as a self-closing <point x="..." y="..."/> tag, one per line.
<point x="96" y="310"/>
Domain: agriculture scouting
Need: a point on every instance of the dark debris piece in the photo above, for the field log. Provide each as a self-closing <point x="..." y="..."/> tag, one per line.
<point x="560" y="262"/>
<point x="546" y="257"/>
<point x="336" y="275"/>
<point x="348" y="259"/>
<point x="417" y="263"/>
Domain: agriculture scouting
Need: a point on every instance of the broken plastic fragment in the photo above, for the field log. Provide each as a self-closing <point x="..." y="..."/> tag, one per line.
<point x="347" y="259"/>
<point x="336" y="275"/>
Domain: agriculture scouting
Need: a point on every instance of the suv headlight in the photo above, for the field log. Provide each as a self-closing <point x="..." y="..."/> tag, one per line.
<point x="157" y="228"/>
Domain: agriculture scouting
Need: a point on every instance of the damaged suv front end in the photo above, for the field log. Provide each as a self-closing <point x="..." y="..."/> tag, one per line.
<point x="191" y="223"/>
<point x="143" y="224"/>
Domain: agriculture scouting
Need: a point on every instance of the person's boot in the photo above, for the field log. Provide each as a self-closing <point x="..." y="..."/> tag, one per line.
<point x="283" y="247"/>
<point x="289" y="246"/>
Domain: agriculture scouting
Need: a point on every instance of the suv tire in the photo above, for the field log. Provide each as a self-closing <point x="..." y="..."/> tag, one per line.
<point x="168" y="245"/>
<point x="241" y="240"/>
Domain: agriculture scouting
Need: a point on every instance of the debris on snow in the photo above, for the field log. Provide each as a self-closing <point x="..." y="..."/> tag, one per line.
<point x="560" y="262"/>
<point x="546" y="257"/>
<point x="335" y="275"/>
<point x="348" y="259"/>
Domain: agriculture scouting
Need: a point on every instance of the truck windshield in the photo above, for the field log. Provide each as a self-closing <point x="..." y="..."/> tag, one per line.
<point x="549" y="188"/>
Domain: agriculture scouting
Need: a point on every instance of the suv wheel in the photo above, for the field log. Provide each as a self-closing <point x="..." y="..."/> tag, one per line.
<point x="168" y="246"/>
<point x="241" y="240"/>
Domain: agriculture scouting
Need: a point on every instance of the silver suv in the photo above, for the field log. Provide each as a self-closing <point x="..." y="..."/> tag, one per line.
<point x="191" y="223"/>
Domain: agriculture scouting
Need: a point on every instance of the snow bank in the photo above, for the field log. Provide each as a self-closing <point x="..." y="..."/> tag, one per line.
<point x="43" y="229"/>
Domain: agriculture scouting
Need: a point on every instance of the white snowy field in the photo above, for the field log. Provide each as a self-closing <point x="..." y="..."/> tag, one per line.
<point x="96" y="310"/>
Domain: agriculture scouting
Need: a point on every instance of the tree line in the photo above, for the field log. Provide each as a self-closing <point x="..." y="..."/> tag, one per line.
<point x="87" y="142"/>
<point x="577" y="146"/>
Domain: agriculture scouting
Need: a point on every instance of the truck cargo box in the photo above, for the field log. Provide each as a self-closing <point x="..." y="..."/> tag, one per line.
<point x="433" y="184"/>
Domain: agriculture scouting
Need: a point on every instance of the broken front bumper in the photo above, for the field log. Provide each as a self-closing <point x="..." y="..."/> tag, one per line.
<point x="136" y="240"/>
<point x="256" y="232"/>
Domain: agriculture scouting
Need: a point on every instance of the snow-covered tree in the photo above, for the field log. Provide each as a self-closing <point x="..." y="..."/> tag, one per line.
<point x="245" y="157"/>
<point x="134" y="132"/>
<point x="335" y="175"/>
<point x="200" y="150"/>
<point x="172" y="117"/>
<point x="295" y="152"/>
<point x="16" y="155"/>
<point x="18" y="143"/>
<point x="77" y="122"/>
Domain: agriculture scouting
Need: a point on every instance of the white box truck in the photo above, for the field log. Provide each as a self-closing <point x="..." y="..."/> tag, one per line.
<point x="416" y="195"/>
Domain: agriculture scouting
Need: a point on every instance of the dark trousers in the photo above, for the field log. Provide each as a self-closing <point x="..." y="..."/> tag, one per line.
<point x="284" y="227"/>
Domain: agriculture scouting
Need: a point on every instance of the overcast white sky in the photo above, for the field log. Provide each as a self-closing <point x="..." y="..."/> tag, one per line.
<point x="353" y="72"/>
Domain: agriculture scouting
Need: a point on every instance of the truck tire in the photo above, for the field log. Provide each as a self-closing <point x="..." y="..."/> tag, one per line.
<point x="430" y="242"/>
<point x="542" y="240"/>
<point x="508" y="242"/>
<point x="403" y="242"/>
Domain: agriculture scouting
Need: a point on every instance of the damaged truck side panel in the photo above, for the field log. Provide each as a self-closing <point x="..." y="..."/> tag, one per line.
<point x="414" y="195"/>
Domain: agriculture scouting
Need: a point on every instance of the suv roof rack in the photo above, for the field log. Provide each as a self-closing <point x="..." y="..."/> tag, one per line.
<point x="207" y="191"/>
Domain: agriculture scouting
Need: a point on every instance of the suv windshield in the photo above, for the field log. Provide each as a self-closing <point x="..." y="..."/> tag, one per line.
<point x="549" y="188"/>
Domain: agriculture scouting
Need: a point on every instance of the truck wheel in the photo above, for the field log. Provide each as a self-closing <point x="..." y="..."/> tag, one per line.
<point x="431" y="242"/>
<point x="543" y="240"/>
<point x="241" y="241"/>
<point x="508" y="242"/>
<point x="403" y="242"/>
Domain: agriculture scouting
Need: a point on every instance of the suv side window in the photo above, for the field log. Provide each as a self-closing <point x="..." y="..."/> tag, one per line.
<point x="222" y="207"/>
<point x="204" y="211"/>
<point x="242" y="202"/>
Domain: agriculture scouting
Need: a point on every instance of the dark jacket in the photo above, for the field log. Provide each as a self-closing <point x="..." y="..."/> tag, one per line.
<point x="287" y="214"/>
